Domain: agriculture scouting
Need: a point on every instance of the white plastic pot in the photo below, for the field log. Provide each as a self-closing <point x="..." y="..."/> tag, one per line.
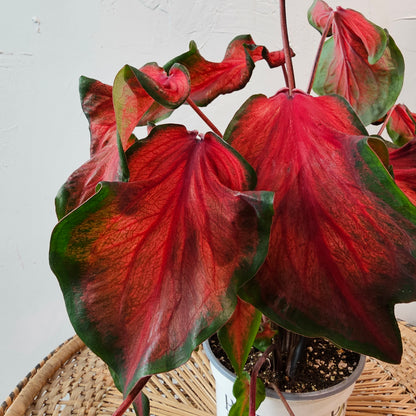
<point x="328" y="402"/>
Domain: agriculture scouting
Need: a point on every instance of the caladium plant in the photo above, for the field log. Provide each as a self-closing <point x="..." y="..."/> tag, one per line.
<point x="294" y="217"/>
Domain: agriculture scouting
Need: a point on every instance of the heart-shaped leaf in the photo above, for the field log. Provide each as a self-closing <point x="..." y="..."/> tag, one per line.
<point x="403" y="161"/>
<point x="343" y="242"/>
<point x="238" y="334"/>
<point x="210" y="79"/>
<point x="361" y="63"/>
<point x="150" y="268"/>
<point x="104" y="165"/>
<point x="401" y="125"/>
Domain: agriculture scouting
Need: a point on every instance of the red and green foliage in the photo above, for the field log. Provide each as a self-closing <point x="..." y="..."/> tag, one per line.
<point x="335" y="203"/>
<point x="297" y="216"/>
<point x="359" y="62"/>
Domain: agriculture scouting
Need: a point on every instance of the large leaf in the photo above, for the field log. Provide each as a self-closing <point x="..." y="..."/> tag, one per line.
<point x="104" y="165"/>
<point x="401" y="125"/>
<point x="210" y="79"/>
<point x="238" y="334"/>
<point x="150" y="268"/>
<point x="361" y="63"/>
<point x="342" y="248"/>
<point x="403" y="161"/>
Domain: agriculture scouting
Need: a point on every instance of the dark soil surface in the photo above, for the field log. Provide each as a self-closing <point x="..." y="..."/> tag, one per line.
<point x="322" y="365"/>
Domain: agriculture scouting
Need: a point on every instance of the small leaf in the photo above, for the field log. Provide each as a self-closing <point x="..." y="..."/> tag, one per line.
<point x="318" y="15"/>
<point x="361" y="63"/>
<point x="264" y="336"/>
<point x="401" y="125"/>
<point x="238" y="334"/>
<point x="241" y="391"/>
<point x="210" y="79"/>
<point x="150" y="268"/>
<point x="343" y="241"/>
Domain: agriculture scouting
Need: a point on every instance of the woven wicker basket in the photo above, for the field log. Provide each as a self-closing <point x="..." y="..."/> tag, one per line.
<point x="72" y="380"/>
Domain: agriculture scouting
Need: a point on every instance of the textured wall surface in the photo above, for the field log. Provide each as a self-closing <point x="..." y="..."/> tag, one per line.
<point x="45" y="45"/>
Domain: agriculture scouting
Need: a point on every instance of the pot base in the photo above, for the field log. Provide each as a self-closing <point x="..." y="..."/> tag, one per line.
<point x="326" y="402"/>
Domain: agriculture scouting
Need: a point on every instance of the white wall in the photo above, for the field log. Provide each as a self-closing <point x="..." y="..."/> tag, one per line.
<point x="44" y="46"/>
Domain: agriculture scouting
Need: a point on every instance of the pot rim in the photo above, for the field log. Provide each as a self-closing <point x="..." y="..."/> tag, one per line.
<point x="313" y="395"/>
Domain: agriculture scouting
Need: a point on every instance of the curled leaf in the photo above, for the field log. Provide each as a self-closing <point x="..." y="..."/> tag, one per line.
<point x="147" y="95"/>
<point x="171" y="89"/>
<point x="210" y="79"/>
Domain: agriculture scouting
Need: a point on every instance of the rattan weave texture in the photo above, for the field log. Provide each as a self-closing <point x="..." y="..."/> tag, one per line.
<point x="74" y="381"/>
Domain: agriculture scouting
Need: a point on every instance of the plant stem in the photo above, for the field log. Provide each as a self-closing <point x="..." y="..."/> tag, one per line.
<point x="253" y="379"/>
<point x="204" y="117"/>
<point x="131" y="396"/>
<point x="286" y="47"/>
<point x="319" y="52"/>
<point x="386" y="120"/>
<point x="285" y="75"/>
<point x="283" y="399"/>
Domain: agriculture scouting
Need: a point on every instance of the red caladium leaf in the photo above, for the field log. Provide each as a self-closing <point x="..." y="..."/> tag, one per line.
<point x="210" y="79"/>
<point x="150" y="268"/>
<point x="403" y="161"/>
<point x="104" y="165"/>
<point x="318" y="15"/>
<point x="238" y="334"/>
<point x="401" y="125"/>
<point x="361" y="63"/>
<point x="147" y="95"/>
<point x="343" y="239"/>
